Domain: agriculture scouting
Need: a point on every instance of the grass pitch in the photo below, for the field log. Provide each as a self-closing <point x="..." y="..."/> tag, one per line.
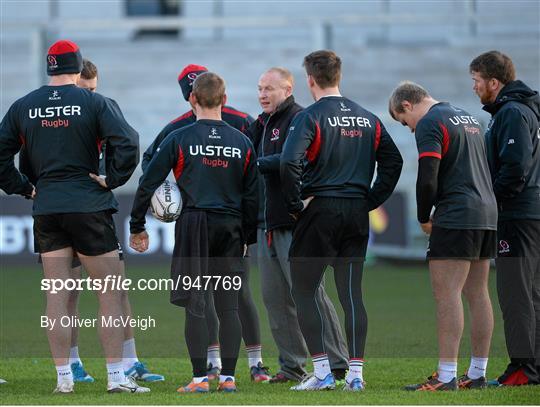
<point x="401" y="347"/>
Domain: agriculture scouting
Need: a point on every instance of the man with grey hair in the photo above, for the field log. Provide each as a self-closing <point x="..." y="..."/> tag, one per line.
<point x="268" y="134"/>
<point x="453" y="177"/>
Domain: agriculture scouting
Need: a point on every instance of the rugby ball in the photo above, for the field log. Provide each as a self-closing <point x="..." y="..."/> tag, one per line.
<point x="166" y="203"/>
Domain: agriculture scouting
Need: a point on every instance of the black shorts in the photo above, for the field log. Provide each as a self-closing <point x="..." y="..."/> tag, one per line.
<point x="462" y="244"/>
<point x="90" y="234"/>
<point x="76" y="262"/>
<point x="331" y="228"/>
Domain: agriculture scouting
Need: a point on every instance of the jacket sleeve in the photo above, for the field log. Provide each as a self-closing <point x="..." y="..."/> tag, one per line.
<point x="389" y="165"/>
<point x="122" y="144"/>
<point x="269" y="163"/>
<point x="157" y="171"/>
<point x="426" y="187"/>
<point x="25" y="166"/>
<point x="250" y="204"/>
<point x="11" y="180"/>
<point x="248" y="121"/>
<point x="152" y="148"/>
<point x="300" y="137"/>
<point x="515" y="151"/>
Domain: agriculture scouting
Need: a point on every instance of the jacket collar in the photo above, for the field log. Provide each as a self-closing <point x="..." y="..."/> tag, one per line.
<point x="280" y="109"/>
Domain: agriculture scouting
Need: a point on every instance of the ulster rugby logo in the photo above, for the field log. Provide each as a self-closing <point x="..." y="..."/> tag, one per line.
<point x="504" y="247"/>
<point x="192" y="76"/>
<point x="275" y="135"/>
<point x="51" y="59"/>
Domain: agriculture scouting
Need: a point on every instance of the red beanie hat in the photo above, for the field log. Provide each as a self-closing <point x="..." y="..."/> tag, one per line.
<point x="64" y="57"/>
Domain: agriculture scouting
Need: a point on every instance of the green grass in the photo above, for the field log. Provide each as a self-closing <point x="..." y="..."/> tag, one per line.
<point x="32" y="381"/>
<point x="401" y="347"/>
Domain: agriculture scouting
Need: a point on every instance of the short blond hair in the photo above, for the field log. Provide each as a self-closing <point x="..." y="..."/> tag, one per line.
<point x="284" y="73"/>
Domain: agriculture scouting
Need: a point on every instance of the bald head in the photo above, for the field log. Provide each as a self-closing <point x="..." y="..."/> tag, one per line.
<point x="275" y="86"/>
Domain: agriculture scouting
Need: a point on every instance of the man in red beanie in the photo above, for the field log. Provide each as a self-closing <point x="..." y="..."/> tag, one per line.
<point x="62" y="127"/>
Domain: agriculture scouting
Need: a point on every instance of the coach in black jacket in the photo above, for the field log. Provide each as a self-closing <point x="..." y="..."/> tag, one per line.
<point x="268" y="134"/>
<point x="513" y="148"/>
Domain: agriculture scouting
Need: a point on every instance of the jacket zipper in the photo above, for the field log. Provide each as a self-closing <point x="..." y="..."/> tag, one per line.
<point x="264" y="181"/>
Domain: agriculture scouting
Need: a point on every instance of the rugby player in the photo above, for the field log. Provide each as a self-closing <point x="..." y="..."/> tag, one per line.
<point x="268" y="134"/>
<point x="327" y="166"/>
<point x="132" y="366"/>
<point x="453" y="177"/>
<point x="513" y="152"/>
<point x="217" y="217"/>
<point x="249" y="317"/>
<point x="62" y="128"/>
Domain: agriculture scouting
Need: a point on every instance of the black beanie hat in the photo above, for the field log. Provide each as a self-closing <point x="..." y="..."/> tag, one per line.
<point x="64" y="57"/>
<point x="188" y="76"/>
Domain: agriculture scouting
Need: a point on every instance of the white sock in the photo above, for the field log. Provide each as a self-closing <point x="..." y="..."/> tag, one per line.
<point x="222" y="378"/>
<point x="199" y="379"/>
<point x="355" y="370"/>
<point x="321" y="365"/>
<point x="63" y="374"/>
<point x="447" y="371"/>
<point x="129" y="354"/>
<point x="477" y="368"/>
<point x="74" y="355"/>
<point x="115" y="372"/>
<point x="254" y="355"/>
<point x="213" y="357"/>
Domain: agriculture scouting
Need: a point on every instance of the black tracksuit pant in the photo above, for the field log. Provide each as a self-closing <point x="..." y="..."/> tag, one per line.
<point x="518" y="289"/>
<point x="330" y="231"/>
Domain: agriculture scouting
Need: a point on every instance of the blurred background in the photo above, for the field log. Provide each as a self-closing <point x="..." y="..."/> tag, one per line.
<point x="140" y="46"/>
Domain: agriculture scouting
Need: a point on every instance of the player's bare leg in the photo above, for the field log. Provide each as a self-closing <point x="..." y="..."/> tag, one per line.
<point x="73" y="303"/>
<point x="481" y="314"/>
<point x="110" y="306"/>
<point x="477" y="294"/>
<point x="110" y="302"/>
<point x="447" y="280"/>
<point x="75" y="362"/>
<point x="57" y="265"/>
<point x="131" y="364"/>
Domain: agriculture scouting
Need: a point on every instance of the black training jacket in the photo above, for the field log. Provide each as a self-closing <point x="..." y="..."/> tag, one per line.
<point x="513" y="147"/>
<point x="61" y="129"/>
<point x="214" y="167"/>
<point x="268" y="134"/>
<point x="237" y="119"/>
<point x="331" y="150"/>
